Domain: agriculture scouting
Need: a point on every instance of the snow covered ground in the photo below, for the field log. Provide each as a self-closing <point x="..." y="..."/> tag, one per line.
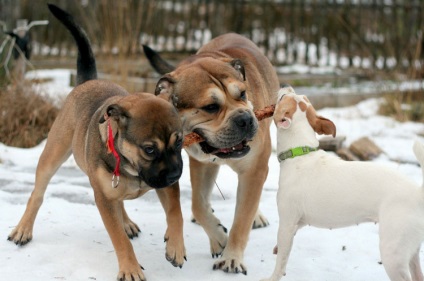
<point x="71" y="243"/>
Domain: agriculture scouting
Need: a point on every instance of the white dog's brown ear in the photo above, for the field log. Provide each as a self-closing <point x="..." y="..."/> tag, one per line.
<point x="321" y="125"/>
<point x="324" y="126"/>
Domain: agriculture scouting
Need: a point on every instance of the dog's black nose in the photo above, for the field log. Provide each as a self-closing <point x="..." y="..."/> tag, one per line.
<point x="173" y="176"/>
<point x="244" y="120"/>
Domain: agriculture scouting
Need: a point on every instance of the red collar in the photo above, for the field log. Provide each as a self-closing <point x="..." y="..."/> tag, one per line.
<point x="110" y="144"/>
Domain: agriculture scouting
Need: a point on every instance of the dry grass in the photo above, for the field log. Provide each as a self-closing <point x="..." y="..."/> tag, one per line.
<point x="25" y="116"/>
<point x="404" y="106"/>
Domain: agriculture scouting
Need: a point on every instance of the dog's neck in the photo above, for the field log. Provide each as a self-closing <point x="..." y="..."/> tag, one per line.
<point x="298" y="135"/>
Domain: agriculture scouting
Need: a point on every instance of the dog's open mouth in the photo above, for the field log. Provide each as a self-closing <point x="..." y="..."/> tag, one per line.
<point x="236" y="151"/>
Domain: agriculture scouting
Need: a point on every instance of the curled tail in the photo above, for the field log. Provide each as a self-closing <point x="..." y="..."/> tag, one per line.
<point x="86" y="63"/>
<point x="419" y="153"/>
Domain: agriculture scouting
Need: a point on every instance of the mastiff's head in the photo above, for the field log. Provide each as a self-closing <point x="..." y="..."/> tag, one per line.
<point x="212" y="97"/>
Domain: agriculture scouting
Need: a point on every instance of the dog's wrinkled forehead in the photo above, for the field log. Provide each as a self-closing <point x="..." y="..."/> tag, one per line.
<point x="289" y="94"/>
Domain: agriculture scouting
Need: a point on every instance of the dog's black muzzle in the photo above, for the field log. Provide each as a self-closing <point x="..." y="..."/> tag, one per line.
<point x="160" y="178"/>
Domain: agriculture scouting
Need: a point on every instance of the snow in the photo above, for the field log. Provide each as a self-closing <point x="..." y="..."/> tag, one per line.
<point x="71" y="243"/>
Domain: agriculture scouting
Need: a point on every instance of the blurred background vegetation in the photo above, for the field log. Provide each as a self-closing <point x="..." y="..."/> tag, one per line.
<point x="382" y="34"/>
<point x="357" y="39"/>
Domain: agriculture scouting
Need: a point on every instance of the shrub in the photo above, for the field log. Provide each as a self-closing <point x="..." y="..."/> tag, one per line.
<point x="25" y="116"/>
<point x="404" y="106"/>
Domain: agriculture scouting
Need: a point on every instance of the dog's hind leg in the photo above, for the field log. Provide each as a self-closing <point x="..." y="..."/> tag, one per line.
<point x="131" y="228"/>
<point x="415" y="267"/>
<point x="56" y="151"/>
<point x="396" y="248"/>
<point x="396" y="265"/>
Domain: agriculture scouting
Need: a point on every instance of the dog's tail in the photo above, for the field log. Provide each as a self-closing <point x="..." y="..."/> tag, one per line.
<point x="157" y="62"/>
<point x="86" y="63"/>
<point x="419" y="153"/>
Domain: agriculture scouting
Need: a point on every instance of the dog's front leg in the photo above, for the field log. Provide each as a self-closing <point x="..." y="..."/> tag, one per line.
<point x="203" y="177"/>
<point x="170" y="200"/>
<point x="249" y="191"/>
<point x="289" y="224"/>
<point x="111" y="213"/>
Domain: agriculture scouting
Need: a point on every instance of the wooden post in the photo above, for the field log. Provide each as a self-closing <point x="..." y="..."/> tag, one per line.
<point x="19" y="66"/>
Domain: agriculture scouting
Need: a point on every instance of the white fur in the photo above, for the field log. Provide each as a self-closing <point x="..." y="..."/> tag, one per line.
<point x="321" y="190"/>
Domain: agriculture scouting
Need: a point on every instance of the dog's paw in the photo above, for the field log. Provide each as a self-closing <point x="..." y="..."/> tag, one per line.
<point x="131" y="229"/>
<point x="131" y="273"/>
<point x="231" y="265"/>
<point x="20" y="235"/>
<point x="175" y="251"/>
<point x="260" y="221"/>
<point x="218" y="241"/>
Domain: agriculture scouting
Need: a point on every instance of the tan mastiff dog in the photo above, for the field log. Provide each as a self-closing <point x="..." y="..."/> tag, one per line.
<point x="144" y="135"/>
<point x="215" y="92"/>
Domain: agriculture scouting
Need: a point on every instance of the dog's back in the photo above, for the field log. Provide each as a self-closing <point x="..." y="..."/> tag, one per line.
<point x="339" y="193"/>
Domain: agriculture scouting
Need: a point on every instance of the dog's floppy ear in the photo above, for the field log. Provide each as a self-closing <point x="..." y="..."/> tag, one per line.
<point x="321" y="125"/>
<point x="157" y="62"/>
<point x="115" y="112"/>
<point x="165" y="87"/>
<point x="239" y="66"/>
<point x="325" y="126"/>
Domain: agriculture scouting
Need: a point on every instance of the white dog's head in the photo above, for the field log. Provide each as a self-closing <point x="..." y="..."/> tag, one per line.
<point x="290" y="107"/>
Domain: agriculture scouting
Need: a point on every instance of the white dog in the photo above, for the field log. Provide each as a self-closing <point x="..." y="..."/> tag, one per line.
<point x="319" y="189"/>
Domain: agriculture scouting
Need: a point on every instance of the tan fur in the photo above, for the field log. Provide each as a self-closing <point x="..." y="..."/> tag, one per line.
<point x="214" y="76"/>
<point x="286" y="108"/>
<point x="142" y="120"/>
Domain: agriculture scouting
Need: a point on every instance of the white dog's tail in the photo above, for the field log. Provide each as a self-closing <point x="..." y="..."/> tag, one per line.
<point x="419" y="153"/>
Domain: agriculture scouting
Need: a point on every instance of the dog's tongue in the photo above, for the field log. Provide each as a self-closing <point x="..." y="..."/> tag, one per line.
<point x="230" y="149"/>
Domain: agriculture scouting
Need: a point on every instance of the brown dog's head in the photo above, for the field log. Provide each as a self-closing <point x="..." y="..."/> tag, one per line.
<point x="212" y="97"/>
<point x="148" y="137"/>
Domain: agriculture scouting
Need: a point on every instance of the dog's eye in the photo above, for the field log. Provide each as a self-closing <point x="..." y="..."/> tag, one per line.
<point x="243" y="95"/>
<point x="149" y="150"/>
<point x="211" y="108"/>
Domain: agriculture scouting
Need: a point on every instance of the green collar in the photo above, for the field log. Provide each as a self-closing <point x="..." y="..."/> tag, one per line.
<point x="294" y="152"/>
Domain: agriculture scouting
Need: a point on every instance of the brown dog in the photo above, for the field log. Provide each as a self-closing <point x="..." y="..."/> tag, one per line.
<point x="215" y="92"/>
<point x="144" y="134"/>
